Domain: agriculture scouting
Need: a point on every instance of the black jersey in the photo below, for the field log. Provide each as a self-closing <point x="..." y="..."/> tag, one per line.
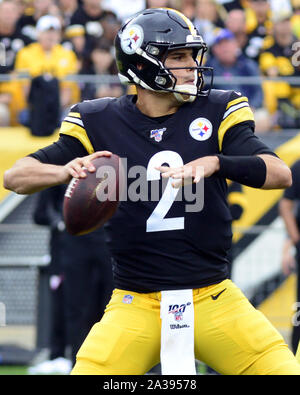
<point x="160" y="244"/>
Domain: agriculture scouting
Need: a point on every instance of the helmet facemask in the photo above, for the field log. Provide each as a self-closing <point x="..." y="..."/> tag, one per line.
<point x="185" y="92"/>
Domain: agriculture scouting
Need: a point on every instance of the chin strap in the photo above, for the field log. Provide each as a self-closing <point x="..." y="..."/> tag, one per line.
<point x="187" y="95"/>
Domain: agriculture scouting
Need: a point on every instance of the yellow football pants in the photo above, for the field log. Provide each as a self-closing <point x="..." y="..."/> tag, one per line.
<point x="231" y="336"/>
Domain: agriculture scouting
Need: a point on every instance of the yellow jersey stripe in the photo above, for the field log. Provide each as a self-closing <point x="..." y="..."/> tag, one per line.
<point x="240" y="115"/>
<point x="234" y="108"/>
<point x="74" y="114"/>
<point x="236" y="101"/>
<point x="74" y="120"/>
<point x="74" y="130"/>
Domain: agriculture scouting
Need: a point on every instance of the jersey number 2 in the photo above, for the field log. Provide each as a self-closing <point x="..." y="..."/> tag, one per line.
<point x="157" y="221"/>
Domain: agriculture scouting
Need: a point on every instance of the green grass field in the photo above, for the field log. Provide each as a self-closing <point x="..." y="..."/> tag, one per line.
<point x="13" y="370"/>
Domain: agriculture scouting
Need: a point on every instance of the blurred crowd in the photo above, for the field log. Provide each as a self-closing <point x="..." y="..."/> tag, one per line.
<point x="54" y="39"/>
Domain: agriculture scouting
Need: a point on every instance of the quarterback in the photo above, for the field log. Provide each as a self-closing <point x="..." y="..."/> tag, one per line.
<point x="173" y="300"/>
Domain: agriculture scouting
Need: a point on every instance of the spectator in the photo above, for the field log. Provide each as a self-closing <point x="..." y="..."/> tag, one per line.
<point x="101" y="63"/>
<point x="207" y="18"/>
<point x="81" y="44"/>
<point x="295" y="19"/>
<point x="282" y="98"/>
<point x="188" y="8"/>
<point x="80" y="281"/>
<point x="67" y="9"/>
<point x="124" y="9"/>
<point x="236" y="22"/>
<point x="259" y="25"/>
<point x="230" y="5"/>
<point x="227" y="62"/>
<point x="90" y="14"/>
<point x="27" y="22"/>
<point x="157" y="3"/>
<point x="49" y="57"/>
<point x="12" y="40"/>
<point x="110" y="25"/>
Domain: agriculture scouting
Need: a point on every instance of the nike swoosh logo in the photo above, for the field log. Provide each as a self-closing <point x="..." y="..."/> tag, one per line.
<point x="215" y="297"/>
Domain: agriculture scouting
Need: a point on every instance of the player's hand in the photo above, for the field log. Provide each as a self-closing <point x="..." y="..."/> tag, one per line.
<point x="191" y="172"/>
<point x="288" y="263"/>
<point x="77" y="167"/>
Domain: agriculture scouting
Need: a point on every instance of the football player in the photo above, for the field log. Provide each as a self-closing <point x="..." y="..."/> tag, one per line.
<point x="173" y="300"/>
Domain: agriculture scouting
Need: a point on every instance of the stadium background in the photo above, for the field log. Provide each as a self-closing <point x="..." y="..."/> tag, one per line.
<point x="258" y="234"/>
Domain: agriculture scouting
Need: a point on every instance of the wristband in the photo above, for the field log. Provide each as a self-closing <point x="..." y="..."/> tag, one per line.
<point x="247" y="170"/>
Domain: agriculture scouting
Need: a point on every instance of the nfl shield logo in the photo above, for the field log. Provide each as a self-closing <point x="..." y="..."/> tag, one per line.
<point x="157" y="134"/>
<point x="127" y="299"/>
<point x="178" y="316"/>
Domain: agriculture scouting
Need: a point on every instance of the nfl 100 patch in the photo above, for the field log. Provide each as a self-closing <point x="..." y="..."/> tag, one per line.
<point x="127" y="299"/>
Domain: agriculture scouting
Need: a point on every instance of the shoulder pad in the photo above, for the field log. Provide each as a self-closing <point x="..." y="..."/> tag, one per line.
<point x="223" y="96"/>
<point x="89" y="106"/>
<point x="220" y="96"/>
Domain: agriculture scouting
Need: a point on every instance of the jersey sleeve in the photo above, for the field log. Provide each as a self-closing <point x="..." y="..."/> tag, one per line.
<point x="241" y="140"/>
<point x="236" y="111"/>
<point x="60" y="152"/>
<point x="73" y="126"/>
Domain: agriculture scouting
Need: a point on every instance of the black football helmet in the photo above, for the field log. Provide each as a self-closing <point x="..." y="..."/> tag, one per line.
<point x="142" y="45"/>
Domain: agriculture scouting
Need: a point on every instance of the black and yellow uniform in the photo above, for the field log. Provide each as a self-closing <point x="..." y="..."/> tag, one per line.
<point x="205" y="235"/>
<point x="159" y="245"/>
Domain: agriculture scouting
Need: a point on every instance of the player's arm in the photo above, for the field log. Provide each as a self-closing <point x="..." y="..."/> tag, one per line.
<point x="57" y="163"/>
<point x="243" y="159"/>
<point x="53" y="165"/>
<point x="246" y="159"/>
<point x="278" y="174"/>
<point x="28" y="175"/>
<point x="243" y="156"/>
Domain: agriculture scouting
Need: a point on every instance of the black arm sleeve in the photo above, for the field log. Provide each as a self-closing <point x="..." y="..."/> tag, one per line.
<point x="239" y="161"/>
<point x="240" y="140"/>
<point x="61" y="152"/>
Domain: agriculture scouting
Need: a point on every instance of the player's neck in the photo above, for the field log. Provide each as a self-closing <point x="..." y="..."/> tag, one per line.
<point x="155" y="104"/>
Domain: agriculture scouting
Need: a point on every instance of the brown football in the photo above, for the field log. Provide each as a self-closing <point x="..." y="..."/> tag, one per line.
<point x="91" y="201"/>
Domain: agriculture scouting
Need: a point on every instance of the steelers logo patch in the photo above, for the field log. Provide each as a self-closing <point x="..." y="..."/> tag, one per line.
<point x="132" y="38"/>
<point x="201" y="129"/>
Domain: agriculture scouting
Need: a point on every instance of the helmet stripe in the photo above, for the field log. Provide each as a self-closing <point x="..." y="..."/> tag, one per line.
<point x="186" y="20"/>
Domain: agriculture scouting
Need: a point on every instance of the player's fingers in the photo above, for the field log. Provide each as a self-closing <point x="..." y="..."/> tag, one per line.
<point x="197" y="178"/>
<point x="177" y="183"/>
<point x="87" y="160"/>
<point x="177" y="175"/>
<point x="170" y="172"/>
<point x="182" y="172"/>
<point x="87" y="164"/>
<point x="98" y="154"/>
<point x="73" y="172"/>
<point x="78" y="167"/>
<point x="198" y="174"/>
<point x="163" y="169"/>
